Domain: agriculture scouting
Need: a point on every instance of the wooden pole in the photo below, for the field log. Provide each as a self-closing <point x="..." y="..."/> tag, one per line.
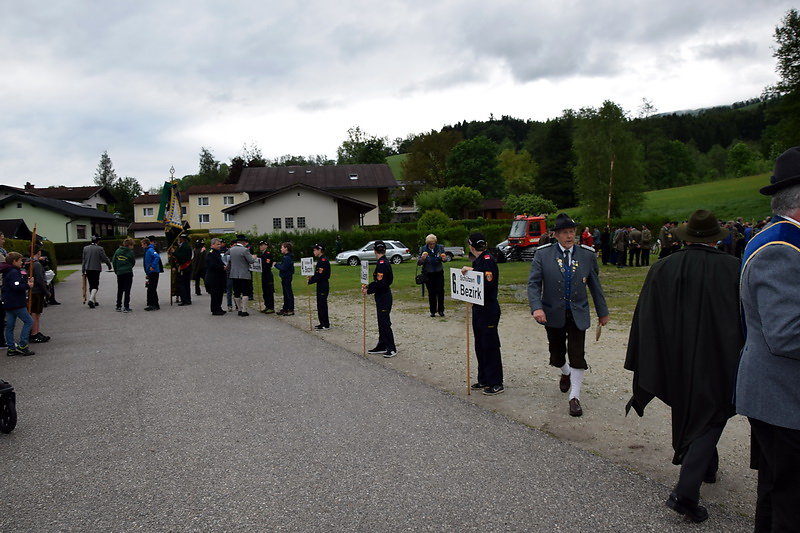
<point x="83" y="287"/>
<point x="30" y="270"/>
<point x="466" y="324"/>
<point x="309" y="310"/>
<point x="610" y="186"/>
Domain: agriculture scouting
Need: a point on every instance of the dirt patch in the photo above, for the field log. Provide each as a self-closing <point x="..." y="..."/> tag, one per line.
<point x="434" y="351"/>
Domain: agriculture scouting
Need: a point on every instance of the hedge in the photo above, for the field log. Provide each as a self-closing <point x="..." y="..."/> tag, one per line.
<point x="24" y="247"/>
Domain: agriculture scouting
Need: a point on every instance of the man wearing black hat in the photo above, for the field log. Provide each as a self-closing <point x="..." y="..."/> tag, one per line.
<point x="767" y="389"/>
<point x="239" y="271"/>
<point x="267" y="280"/>
<point x="182" y="263"/>
<point x="381" y="287"/>
<point x="322" y="274"/>
<point x="485" y="319"/>
<point x="93" y="258"/>
<point x="560" y="275"/>
<point x="199" y="264"/>
<point x="684" y="349"/>
<point x="215" y="276"/>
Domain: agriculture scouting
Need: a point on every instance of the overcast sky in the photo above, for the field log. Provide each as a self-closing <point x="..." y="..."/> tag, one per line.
<point x="152" y="82"/>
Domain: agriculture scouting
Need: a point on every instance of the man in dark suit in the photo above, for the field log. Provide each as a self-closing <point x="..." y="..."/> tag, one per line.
<point x="560" y="274"/>
<point x="767" y="389"/>
<point x="215" y="279"/>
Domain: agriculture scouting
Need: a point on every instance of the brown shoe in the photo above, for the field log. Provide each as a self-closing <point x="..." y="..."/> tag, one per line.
<point x="565" y="383"/>
<point x="575" y="407"/>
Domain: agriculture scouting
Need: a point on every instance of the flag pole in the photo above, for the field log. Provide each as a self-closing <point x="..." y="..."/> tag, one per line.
<point x="466" y="324"/>
<point x="30" y="273"/>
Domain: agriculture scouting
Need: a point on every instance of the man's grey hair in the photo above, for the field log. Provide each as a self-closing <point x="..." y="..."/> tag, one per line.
<point x="786" y="201"/>
<point x="215" y="240"/>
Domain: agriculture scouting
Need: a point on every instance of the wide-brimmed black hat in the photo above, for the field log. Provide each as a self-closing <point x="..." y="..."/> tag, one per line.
<point x="701" y="227"/>
<point x="241" y="238"/>
<point x="563" y="221"/>
<point x="786" y="173"/>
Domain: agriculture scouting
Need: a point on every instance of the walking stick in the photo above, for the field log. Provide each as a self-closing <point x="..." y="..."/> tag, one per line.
<point x="33" y="245"/>
<point x="364" y="324"/>
<point x="466" y="324"/>
<point x="83" y="287"/>
<point x="309" y="310"/>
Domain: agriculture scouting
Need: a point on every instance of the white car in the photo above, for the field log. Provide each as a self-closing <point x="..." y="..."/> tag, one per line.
<point x="396" y="252"/>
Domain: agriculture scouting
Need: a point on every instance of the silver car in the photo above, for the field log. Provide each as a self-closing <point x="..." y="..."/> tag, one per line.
<point x="396" y="252"/>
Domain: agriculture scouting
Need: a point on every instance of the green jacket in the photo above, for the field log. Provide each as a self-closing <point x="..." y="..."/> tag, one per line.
<point x="123" y="260"/>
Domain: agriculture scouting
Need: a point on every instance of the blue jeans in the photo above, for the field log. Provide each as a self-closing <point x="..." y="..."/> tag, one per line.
<point x="27" y="324"/>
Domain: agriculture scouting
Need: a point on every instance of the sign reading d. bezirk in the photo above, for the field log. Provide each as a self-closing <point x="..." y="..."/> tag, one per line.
<point x="467" y="287"/>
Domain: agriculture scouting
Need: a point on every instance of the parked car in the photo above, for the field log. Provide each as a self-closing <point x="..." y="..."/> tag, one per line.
<point x="501" y="251"/>
<point x="396" y="252"/>
<point x="454" y="251"/>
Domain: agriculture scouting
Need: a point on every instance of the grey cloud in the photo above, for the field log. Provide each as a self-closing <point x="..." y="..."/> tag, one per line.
<point x="321" y="104"/>
<point x="726" y="51"/>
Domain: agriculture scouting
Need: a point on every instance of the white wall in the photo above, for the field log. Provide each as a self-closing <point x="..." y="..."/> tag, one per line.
<point x="369" y="196"/>
<point x="320" y="211"/>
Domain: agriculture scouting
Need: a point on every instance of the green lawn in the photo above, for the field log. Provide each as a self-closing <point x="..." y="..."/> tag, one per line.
<point x="395" y="162"/>
<point x="62" y="274"/>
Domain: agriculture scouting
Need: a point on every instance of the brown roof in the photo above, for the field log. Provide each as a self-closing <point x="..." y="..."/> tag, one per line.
<point x="212" y="189"/>
<point x="264" y="179"/>
<point x="492" y="203"/>
<point x="74" y="194"/>
<point x="156" y="198"/>
<point x="358" y="204"/>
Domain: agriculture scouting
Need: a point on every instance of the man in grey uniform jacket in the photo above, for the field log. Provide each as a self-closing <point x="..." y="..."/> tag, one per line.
<point x="93" y="258"/>
<point x="239" y="264"/>
<point x="768" y="382"/>
<point x="560" y="273"/>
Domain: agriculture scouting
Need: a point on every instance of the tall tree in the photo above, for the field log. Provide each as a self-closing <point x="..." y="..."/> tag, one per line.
<point x="551" y="147"/>
<point x="787" y="37"/>
<point x="252" y="155"/>
<point x="610" y="170"/>
<point x="426" y="163"/>
<point x="519" y="171"/>
<point x="125" y="190"/>
<point x="105" y="176"/>
<point x="786" y="132"/>
<point x="361" y="148"/>
<point x="473" y="163"/>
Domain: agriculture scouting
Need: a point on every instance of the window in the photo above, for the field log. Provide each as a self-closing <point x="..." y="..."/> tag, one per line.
<point x="146" y="212"/>
<point x="202" y="200"/>
<point x="228" y="217"/>
<point x="289" y="222"/>
<point x="183" y="210"/>
<point x="276" y="223"/>
<point x="204" y="218"/>
<point x="301" y="222"/>
<point x="227" y="200"/>
<point x="353" y="176"/>
<point x="81" y="229"/>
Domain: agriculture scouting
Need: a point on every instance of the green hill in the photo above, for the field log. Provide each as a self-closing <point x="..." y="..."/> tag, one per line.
<point x="728" y="199"/>
<point x="395" y="165"/>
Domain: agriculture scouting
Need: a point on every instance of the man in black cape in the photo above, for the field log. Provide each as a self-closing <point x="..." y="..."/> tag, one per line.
<point x="684" y="348"/>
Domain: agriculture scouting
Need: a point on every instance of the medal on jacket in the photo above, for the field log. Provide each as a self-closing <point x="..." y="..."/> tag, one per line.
<point x="560" y="264"/>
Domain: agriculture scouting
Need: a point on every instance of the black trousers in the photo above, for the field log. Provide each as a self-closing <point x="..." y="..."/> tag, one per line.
<point x="567" y="340"/>
<point x="701" y="459"/>
<point x="93" y="279"/>
<point x="621" y="255"/>
<point x="152" y="289"/>
<point x="634" y="254"/>
<point x="216" y="291"/>
<point x="183" y="280"/>
<point x="487" y="344"/>
<point x="197" y="286"/>
<point x="434" y="282"/>
<point x="242" y="287"/>
<point x="775" y="451"/>
<point x="322" y="304"/>
<point x="645" y="257"/>
<point x="124" y="283"/>
<point x="268" y="290"/>
<point x="383" y="306"/>
<point x="288" y="294"/>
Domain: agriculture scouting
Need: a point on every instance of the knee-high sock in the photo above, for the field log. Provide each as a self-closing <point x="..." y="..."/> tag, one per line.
<point x="245" y="299"/>
<point x="238" y="302"/>
<point x="577" y="381"/>
<point x="93" y="295"/>
<point x="565" y="369"/>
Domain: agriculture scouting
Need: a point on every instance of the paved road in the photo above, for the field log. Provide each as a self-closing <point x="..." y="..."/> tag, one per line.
<point x="179" y="421"/>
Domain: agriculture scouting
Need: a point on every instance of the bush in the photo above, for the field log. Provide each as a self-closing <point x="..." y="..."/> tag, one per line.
<point x="432" y="221"/>
<point x="24" y="247"/>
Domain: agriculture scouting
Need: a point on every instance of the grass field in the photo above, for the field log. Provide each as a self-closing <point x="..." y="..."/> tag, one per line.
<point x="395" y="162"/>
<point x="61" y="275"/>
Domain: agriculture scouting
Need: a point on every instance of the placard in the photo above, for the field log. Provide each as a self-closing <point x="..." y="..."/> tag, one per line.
<point x="255" y="266"/>
<point x="467" y="287"/>
<point x="364" y="273"/>
<point x="306" y="266"/>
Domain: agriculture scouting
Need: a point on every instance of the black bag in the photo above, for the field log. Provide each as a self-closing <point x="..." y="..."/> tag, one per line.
<point x="8" y="407"/>
<point x="421" y="278"/>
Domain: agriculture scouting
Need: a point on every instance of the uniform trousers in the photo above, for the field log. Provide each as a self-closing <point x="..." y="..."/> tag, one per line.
<point x="152" y="289"/>
<point x="124" y="283"/>
<point x="184" y="285"/>
<point x="242" y="287"/>
<point x="434" y="282"/>
<point x="634" y="255"/>
<point x="288" y="294"/>
<point x="216" y="290"/>
<point x="700" y="460"/>
<point x="487" y="343"/>
<point x="322" y="303"/>
<point x="93" y="279"/>
<point x="268" y="290"/>
<point x="567" y="341"/>
<point x="645" y="257"/>
<point x="383" y="305"/>
<point x="775" y="451"/>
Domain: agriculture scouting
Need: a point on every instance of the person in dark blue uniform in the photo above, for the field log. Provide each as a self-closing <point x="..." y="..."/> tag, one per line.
<point x="381" y="288"/>
<point x="267" y="280"/>
<point x="322" y="274"/>
<point x="485" y="319"/>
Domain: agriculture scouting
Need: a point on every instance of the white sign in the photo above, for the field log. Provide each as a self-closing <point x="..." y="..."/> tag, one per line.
<point x="255" y="266"/>
<point x="467" y="287"/>
<point x="306" y="266"/>
<point x="364" y="272"/>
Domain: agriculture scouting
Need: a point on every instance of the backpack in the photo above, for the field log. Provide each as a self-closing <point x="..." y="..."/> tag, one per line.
<point x="8" y="407"/>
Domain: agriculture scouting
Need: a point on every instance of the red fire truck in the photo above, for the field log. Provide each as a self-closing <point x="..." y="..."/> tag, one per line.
<point x="524" y="237"/>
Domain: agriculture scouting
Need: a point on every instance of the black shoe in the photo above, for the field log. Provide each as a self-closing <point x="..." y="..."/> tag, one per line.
<point x="12" y="352"/>
<point x="441" y="313"/>
<point x="494" y="389"/>
<point x="244" y="313"/>
<point x="710" y="478"/>
<point x="219" y="313"/>
<point x="53" y="302"/>
<point x="565" y="383"/>
<point x="321" y="327"/>
<point x="377" y="349"/>
<point x="389" y="353"/>
<point x="118" y="309"/>
<point x="39" y="338"/>
<point x="126" y="309"/>
<point x="478" y="386"/>
<point x="151" y="308"/>
<point x="91" y="304"/>
<point x="24" y="351"/>
<point x="433" y="315"/>
<point x="575" y="408"/>
<point x="682" y="506"/>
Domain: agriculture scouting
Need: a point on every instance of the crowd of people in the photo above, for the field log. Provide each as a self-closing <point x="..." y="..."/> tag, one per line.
<point x="726" y="341"/>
